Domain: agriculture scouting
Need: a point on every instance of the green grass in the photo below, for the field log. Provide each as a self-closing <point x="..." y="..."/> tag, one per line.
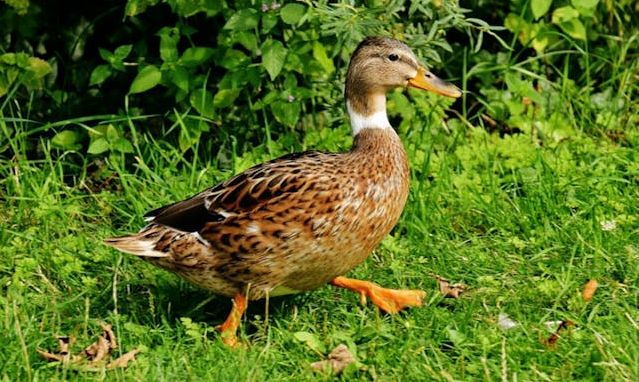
<point x="519" y="219"/>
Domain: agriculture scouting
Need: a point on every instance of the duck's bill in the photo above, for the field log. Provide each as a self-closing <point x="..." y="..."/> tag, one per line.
<point x="426" y="80"/>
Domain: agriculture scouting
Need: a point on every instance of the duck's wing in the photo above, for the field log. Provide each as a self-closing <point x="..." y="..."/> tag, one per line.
<point x="265" y="183"/>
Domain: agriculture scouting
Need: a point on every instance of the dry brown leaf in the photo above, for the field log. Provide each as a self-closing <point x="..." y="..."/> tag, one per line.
<point x="589" y="290"/>
<point x="96" y="354"/>
<point x="64" y="343"/>
<point x="123" y="361"/>
<point x="449" y="290"/>
<point x="63" y="355"/>
<point x="51" y="357"/>
<point x="58" y="357"/>
<point x="109" y="336"/>
<point x="98" y="350"/>
<point x="552" y="340"/>
<point x="338" y="359"/>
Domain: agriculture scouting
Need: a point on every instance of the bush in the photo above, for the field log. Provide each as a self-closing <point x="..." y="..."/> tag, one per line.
<point x="208" y="70"/>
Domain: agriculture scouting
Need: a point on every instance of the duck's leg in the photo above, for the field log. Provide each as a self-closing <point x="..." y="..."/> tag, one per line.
<point x="388" y="300"/>
<point x="228" y="329"/>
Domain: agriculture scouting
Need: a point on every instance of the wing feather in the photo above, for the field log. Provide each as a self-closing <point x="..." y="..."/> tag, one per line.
<point x="265" y="183"/>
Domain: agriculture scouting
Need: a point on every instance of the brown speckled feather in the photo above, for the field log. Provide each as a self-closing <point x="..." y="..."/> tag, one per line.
<point x="291" y="224"/>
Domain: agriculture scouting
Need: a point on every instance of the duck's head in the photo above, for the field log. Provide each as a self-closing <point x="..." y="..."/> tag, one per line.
<point x="378" y="65"/>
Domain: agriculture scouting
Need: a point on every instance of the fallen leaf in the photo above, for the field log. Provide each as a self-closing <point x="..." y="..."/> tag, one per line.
<point x="338" y="359"/>
<point x="109" y="336"/>
<point x="552" y="340"/>
<point x="63" y="355"/>
<point x="98" y="350"/>
<point x="51" y="357"/>
<point x="63" y="343"/>
<point x="505" y="322"/>
<point x="449" y="290"/>
<point x="123" y="361"/>
<point x="94" y="356"/>
<point x="589" y="290"/>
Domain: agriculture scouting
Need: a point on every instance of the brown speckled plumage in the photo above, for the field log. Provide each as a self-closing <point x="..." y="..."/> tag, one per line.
<point x="303" y="220"/>
<point x="297" y="222"/>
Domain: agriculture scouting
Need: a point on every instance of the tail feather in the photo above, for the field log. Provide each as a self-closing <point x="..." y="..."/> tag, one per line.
<point x="135" y="245"/>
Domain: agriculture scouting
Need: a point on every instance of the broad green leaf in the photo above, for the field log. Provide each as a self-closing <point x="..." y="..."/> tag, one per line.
<point x="196" y="55"/>
<point x="146" y="79"/>
<point x="269" y="21"/>
<point x="180" y="78"/>
<point x="106" y="55"/>
<point x="269" y="98"/>
<point x="8" y="58"/>
<point x="574" y="28"/>
<point x="244" y="19"/>
<point x="273" y="56"/>
<point x="564" y="14"/>
<point x="4" y="85"/>
<point x="286" y="113"/>
<point x="540" y="7"/>
<point x="540" y="43"/>
<point x="98" y="146"/>
<point x="248" y="40"/>
<point x="522" y="88"/>
<point x="11" y="74"/>
<point x="112" y="133"/>
<point x="290" y="82"/>
<point x="188" y="8"/>
<point x="97" y="131"/>
<point x="122" y="52"/>
<point x="38" y="67"/>
<point x="234" y="79"/>
<point x="292" y="13"/>
<point x="233" y="59"/>
<point x="311" y="341"/>
<point x="319" y="53"/>
<point x="99" y="74"/>
<point x="66" y="139"/>
<point x="518" y="26"/>
<point x="541" y="37"/>
<point x="225" y="97"/>
<point x="202" y="101"/>
<point x="169" y="38"/>
<point x="22" y="60"/>
<point x="135" y="7"/>
<point x="122" y="145"/>
<point x="586" y="8"/>
<point x="584" y="3"/>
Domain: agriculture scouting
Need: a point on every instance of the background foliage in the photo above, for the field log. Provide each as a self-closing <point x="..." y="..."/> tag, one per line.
<point x="523" y="189"/>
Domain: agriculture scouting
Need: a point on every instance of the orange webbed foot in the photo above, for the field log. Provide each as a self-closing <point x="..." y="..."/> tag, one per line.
<point x="388" y="300"/>
<point x="228" y="330"/>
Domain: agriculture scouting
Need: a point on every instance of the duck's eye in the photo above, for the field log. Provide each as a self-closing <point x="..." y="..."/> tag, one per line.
<point x="393" y="57"/>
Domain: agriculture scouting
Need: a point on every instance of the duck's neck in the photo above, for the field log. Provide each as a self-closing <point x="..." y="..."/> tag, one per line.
<point x="367" y="112"/>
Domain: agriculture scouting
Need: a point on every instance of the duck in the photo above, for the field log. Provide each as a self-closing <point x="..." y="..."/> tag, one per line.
<point x="304" y="220"/>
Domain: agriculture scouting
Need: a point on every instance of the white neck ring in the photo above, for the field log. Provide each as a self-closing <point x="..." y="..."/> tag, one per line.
<point x="359" y="122"/>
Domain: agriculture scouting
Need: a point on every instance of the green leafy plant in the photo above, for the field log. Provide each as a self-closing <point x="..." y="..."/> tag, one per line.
<point x="20" y="69"/>
<point x="540" y="23"/>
